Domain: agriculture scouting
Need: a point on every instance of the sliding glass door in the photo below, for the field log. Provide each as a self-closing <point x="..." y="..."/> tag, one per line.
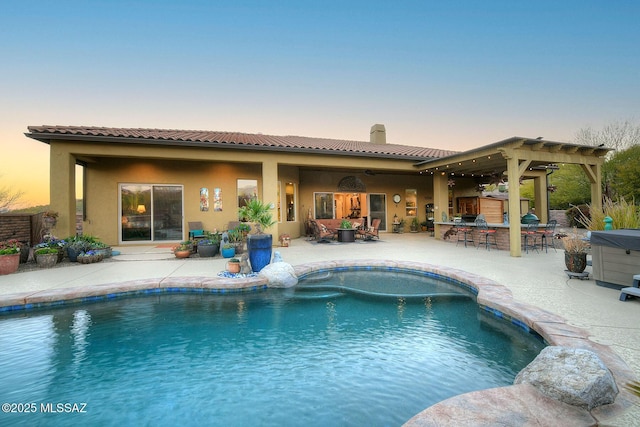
<point x="377" y="206"/>
<point x="151" y="212"/>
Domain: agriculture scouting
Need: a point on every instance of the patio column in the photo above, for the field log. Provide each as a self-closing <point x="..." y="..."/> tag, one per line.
<point x="62" y="190"/>
<point x="513" y="173"/>
<point x="440" y="201"/>
<point x="540" y="195"/>
<point x="270" y="189"/>
<point x="594" y="174"/>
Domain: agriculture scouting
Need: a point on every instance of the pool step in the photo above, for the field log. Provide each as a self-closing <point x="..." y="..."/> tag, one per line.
<point x="318" y="294"/>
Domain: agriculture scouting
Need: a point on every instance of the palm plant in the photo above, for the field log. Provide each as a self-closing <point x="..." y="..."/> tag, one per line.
<point x="259" y="213"/>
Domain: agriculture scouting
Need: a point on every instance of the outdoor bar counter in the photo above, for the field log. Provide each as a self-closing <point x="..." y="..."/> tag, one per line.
<point x="615" y="257"/>
<point x="502" y="232"/>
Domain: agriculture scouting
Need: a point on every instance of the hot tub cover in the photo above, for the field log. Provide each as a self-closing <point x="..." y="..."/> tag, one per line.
<point x="624" y="239"/>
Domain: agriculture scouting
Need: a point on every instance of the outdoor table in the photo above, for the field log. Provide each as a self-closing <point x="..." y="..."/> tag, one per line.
<point x="346" y="235"/>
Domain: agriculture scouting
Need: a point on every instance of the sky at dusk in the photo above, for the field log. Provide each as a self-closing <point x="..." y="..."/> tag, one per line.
<point x="442" y="74"/>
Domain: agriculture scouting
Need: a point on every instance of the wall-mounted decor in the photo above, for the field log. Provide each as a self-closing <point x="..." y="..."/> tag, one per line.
<point x="204" y="199"/>
<point x="217" y="200"/>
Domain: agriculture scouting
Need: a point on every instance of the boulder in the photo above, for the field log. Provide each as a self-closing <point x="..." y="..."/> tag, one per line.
<point x="279" y="275"/>
<point x="571" y="375"/>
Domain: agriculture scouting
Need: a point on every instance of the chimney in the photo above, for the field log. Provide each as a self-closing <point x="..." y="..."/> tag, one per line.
<point x="378" y="134"/>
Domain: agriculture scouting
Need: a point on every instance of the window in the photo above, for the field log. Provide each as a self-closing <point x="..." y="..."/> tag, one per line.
<point x="411" y="202"/>
<point x="323" y="205"/>
<point x="247" y="190"/>
<point x="290" y="200"/>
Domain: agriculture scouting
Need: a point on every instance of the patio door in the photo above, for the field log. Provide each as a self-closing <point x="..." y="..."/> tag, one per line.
<point x="377" y="208"/>
<point x="151" y="212"/>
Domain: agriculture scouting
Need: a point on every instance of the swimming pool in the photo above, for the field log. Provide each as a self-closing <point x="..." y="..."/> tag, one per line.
<point x="336" y="350"/>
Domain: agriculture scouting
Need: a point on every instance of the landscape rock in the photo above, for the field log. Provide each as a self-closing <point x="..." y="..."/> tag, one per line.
<point x="280" y="275"/>
<point x="571" y="375"/>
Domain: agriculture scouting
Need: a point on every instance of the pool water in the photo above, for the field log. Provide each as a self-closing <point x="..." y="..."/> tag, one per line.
<point x="337" y="350"/>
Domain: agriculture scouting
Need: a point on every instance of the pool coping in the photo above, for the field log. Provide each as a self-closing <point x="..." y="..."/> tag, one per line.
<point x="516" y="402"/>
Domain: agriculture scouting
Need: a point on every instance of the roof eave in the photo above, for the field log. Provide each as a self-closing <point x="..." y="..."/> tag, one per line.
<point x="48" y="137"/>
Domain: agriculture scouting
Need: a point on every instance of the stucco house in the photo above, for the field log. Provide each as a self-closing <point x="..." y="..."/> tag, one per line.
<point x="146" y="185"/>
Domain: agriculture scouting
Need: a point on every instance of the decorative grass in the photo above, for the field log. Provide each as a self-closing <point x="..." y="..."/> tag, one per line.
<point x="623" y="214"/>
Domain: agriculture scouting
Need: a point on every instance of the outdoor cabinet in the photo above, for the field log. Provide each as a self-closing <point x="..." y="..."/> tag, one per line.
<point x="491" y="208"/>
<point x="615" y="257"/>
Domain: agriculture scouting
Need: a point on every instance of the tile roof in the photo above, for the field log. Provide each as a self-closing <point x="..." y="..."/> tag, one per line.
<point x="235" y="140"/>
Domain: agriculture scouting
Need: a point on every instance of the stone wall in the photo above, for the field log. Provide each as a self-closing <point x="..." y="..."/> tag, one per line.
<point x="560" y="216"/>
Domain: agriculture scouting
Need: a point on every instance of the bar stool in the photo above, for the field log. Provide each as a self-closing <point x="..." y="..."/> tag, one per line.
<point x="547" y="233"/>
<point x="484" y="230"/>
<point x="530" y="234"/>
<point x="464" y="232"/>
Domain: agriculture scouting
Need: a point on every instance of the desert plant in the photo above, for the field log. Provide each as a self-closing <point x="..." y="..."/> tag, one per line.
<point x="575" y="243"/>
<point x="210" y="238"/>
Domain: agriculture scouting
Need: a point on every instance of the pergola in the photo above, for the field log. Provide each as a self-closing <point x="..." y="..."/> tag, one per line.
<point x="511" y="160"/>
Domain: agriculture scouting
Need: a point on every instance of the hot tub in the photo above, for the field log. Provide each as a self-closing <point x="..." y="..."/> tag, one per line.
<point x="615" y="257"/>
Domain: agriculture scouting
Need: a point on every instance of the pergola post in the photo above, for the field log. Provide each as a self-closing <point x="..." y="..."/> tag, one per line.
<point x="594" y="174"/>
<point x="515" y="237"/>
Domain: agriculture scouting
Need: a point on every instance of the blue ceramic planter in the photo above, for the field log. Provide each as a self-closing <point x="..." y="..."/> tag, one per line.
<point x="259" y="248"/>
<point x="228" y="252"/>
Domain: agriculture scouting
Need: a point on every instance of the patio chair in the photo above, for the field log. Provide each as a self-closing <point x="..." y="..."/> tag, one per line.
<point x="484" y="230"/>
<point x="548" y="233"/>
<point x="464" y="232"/>
<point x="321" y="233"/>
<point x="370" y="233"/>
<point x="196" y="230"/>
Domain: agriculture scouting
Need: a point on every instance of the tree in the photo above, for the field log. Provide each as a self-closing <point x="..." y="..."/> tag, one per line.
<point x="8" y="198"/>
<point x="617" y="135"/>
<point x="622" y="172"/>
<point x="572" y="187"/>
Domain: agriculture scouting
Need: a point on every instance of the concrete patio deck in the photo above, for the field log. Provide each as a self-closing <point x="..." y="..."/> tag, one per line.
<point x="536" y="278"/>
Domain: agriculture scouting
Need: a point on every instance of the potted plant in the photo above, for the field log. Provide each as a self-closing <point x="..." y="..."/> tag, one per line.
<point x="90" y="257"/>
<point x="183" y="249"/>
<point x="575" y="252"/>
<point x="77" y="246"/>
<point x="228" y="250"/>
<point x="415" y="224"/>
<point x="243" y="228"/>
<point x="46" y="257"/>
<point x="50" y="218"/>
<point x="237" y="239"/>
<point x="209" y="245"/>
<point x="9" y="256"/>
<point x="52" y="242"/>
<point x="233" y="265"/>
<point x="258" y="245"/>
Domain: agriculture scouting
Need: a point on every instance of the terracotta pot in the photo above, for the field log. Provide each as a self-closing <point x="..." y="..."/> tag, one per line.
<point x="182" y="254"/>
<point x="576" y="263"/>
<point x="9" y="263"/>
<point x="233" y="267"/>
